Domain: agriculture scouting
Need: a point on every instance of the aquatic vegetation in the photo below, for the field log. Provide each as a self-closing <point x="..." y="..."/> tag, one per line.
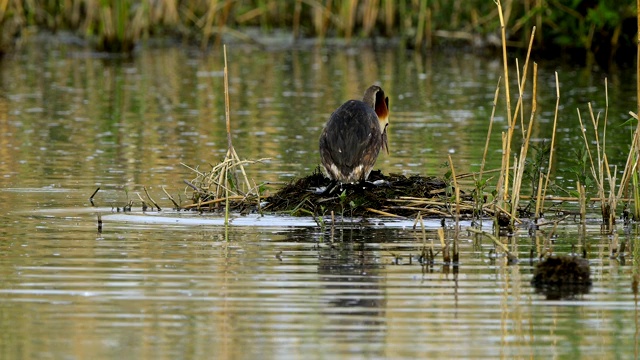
<point x="589" y="29"/>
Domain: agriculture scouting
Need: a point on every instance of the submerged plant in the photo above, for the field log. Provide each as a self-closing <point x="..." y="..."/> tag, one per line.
<point x="479" y="197"/>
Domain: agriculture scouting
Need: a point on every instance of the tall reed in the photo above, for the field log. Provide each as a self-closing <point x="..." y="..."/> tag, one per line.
<point x="222" y="183"/>
<point x="543" y="193"/>
<point x="631" y="173"/>
<point x="600" y="169"/>
<point x="509" y="185"/>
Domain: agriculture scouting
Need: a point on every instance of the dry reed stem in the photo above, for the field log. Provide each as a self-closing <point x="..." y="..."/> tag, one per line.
<point x="502" y="210"/>
<point x="150" y="199"/>
<point x="369" y="17"/>
<point x="418" y="219"/>
<point x="226" y="98"/>
<point x="597" y="171"/>
<point x="586" y="143"/>
<point x="426" y="210"/>
<point x="539" y="200"/>
<point x="613" y="199"/>
<point x="583" y="202"/>
<point x="592" y="167"/>
<point x="633" y="154"/>
<point x="474" y="174"/>
<point x="413" y="202"/>
<point x="144" y="204"/>
<point x="608" y="206"/>
<point x="553" y="141"/>
<point x="171" y="198"/>
<point x="520" y="96"/>
<point x="455" y="186"/>
<point x="457" y="226"/>
<point x="507" y="146"/>
<point x="571" y="198"/>
<point x="223" y="174"/>
<point x="195" y="170"/>
<point x="606" y="114"/>
<point x="522" y="82"/>
<point x="445" y="247"/>
<point x="424" y="239"/>
<point x="500" y="194"/>
<point x="388" y="15"/>
<point x="517" y="181"/>
<point x="486" y="144"/>
<point x="213" y="201"/>
<point x="383" y="213"/>
<point x="510" y="256"/>
<point x="428" y="201"/>
<point x="230" y="150"/>
<point x="92" y="195"/>
<point x="503" y="191"/>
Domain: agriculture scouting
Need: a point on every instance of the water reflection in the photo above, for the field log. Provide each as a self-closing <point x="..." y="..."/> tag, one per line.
<point x="129" y="123"/>
<point x="354" y="290"/>
<point x="353" y="285"/>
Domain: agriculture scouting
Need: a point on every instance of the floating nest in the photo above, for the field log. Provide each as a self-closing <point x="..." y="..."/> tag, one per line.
<point x="383" y="195"/>
<point x="560" y="277"/>
<point x="392" y="195"/>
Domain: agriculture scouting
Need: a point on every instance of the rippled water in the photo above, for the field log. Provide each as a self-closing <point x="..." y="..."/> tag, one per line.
<point x="181" y="285"/>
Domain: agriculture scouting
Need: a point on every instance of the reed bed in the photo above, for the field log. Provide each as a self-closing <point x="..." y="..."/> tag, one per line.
<point x="120" y="25"/>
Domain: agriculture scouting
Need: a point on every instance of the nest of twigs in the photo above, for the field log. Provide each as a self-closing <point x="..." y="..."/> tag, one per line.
<point x="392" y="195"/>
<point x="381" y="195"/>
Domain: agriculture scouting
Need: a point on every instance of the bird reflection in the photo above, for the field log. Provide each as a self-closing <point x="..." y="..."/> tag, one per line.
<point x="350" y="272"/>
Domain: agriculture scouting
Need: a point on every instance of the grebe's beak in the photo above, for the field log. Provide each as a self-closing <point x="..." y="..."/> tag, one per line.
<point x="385" y="142"/>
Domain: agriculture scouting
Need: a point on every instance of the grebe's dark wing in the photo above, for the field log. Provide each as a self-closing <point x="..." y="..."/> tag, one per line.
<point x="351" y="141"/>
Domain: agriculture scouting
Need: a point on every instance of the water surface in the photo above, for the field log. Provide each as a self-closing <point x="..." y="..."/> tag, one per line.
<point x="180" y="285"/>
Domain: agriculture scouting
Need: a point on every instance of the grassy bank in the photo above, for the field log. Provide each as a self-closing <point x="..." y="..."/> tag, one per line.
<point x="583" y="27"/>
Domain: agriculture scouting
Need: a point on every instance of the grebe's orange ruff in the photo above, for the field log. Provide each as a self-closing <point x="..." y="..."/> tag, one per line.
<point x="355" y="133"/>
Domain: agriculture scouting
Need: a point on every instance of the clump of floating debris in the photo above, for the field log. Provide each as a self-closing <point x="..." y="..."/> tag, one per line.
<point x="562" y="276"/>
<point x="226" y="184"/>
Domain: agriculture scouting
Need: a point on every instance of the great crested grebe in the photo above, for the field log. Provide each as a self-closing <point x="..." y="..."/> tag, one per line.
<point x="351" y="140"/>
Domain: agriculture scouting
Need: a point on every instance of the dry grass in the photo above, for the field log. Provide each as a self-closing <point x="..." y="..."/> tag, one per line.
<point x="227" y="181"/>
<point x="609" y="188"/>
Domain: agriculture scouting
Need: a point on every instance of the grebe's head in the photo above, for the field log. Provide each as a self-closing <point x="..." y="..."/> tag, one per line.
<point x="375" y="97"/>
